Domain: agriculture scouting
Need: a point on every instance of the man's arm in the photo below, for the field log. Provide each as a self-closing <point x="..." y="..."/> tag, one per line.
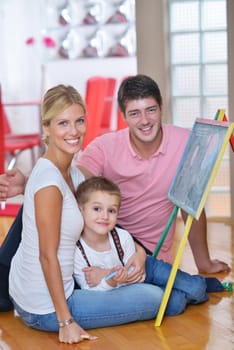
<point x="13" y="182"/>
<point x="87" y="174"/>
<point x="137" y="264"/>
<point x="198" y="242"/>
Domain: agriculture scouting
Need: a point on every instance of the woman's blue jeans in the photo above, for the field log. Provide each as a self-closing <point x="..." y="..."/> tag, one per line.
<point x="93" y="309"/>
<point x="136" y="302"/>
<point x="187" y="289"/>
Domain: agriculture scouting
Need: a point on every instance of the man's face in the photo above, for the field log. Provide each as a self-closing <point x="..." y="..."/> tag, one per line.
<point x="143" y="117"/>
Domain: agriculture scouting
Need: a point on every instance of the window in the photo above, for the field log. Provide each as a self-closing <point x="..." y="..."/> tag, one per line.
<point x="198" y="47"/>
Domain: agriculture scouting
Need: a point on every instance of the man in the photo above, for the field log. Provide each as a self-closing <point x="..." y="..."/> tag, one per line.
<point x="143" y="160"/>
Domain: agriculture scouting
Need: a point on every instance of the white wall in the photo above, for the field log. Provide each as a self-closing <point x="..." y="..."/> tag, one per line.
<point x="19" y="64"/>
<point x="24" y="72"/>
<point x="78" y="71"/>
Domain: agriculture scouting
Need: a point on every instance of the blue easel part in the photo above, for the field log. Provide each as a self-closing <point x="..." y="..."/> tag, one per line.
<point x="112" y="274"/>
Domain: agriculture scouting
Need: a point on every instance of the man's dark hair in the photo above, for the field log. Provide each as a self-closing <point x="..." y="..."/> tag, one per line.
<point x="137" y="87"/>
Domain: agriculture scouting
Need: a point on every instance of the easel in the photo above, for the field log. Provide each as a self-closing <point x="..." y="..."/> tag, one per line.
<point x="221" y="119"/>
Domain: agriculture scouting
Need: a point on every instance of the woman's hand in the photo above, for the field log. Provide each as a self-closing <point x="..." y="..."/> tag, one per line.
<point x="73" y="333"/>
<point x="136" y="266"/>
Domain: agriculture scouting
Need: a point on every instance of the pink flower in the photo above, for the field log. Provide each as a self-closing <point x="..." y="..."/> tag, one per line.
<point x="49" y="42"/>
<point x="30" y="41"/>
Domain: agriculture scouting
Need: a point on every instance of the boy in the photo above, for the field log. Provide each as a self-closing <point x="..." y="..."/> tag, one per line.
<point x="104" y="249"/>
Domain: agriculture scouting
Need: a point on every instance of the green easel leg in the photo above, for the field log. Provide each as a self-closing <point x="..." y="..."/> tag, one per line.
<point x="166" y="230"/>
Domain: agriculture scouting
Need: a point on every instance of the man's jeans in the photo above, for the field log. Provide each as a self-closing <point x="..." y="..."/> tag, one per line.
<point x="187" y="289"/>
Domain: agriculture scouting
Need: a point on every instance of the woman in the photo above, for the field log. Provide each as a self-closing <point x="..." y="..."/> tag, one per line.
<point x="41" y="281"/>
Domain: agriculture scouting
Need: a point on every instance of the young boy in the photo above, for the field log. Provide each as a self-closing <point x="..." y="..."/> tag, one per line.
<point x="104" y="249"/>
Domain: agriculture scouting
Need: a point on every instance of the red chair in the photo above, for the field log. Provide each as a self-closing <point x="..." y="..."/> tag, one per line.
<point x="10" y="209"/>
<point x="2" y="142"/>
<point x="96" y="92"/>
<point x="14" y="144"/>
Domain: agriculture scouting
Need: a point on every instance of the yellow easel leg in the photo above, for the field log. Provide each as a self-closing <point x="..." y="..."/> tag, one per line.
<point x="174" y="269"/>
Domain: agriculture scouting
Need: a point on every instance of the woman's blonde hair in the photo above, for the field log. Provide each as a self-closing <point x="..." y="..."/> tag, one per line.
<point x="56" y="100"/>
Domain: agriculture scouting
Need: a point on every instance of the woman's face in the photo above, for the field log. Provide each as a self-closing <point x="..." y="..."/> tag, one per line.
<point x="67" y="130"/>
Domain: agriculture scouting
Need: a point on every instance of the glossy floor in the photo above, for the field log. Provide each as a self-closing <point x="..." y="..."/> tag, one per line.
<point x="208" y="326"/>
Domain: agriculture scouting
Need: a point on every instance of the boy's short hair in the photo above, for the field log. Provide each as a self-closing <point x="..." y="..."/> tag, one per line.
<point x="93" y="184"/>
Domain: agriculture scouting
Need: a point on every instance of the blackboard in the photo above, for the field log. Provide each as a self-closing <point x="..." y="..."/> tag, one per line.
<point x="199" y="164"/>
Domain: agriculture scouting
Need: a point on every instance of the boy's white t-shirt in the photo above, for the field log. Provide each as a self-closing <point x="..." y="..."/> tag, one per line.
<point x="106" y="259"/>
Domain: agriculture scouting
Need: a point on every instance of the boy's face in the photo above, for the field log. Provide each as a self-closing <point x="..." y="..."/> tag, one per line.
<point x="100" y="212"/>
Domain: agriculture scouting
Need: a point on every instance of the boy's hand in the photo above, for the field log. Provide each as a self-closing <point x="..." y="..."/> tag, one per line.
<point x="120" y="276"/>
<point x="94" y="275"/>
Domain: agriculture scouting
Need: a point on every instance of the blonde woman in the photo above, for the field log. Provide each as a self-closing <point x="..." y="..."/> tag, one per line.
<point x="41" y="282"/>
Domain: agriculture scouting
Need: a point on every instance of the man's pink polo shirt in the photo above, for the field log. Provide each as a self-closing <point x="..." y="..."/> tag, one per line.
<point x="144" y="183"/>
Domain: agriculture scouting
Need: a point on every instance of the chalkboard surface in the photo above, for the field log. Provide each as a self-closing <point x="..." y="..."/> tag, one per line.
<point x="199" y="164"/>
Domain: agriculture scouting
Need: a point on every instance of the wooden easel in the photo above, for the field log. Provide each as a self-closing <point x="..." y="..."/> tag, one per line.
<point x="193" y="205"/>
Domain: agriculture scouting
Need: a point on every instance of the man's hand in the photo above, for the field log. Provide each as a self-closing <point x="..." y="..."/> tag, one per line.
<point x="136" y="264"/>
<point x="12" y="183"/>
